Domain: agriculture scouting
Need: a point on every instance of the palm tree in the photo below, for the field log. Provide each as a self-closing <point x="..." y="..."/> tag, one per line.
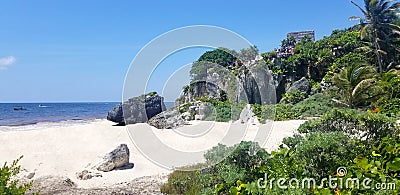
<point x="358" y="84"/>
<point x="377" y="25"/>
<point x="390" y="82"/>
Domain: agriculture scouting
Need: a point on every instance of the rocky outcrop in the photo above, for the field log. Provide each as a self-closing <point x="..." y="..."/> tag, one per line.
<point x="137" y="110"/>
<point x="117" y="158"/>
<point x="250" y="82"/>
<point x="195" y="110"/>
<point x="169" y="119"/>
<point x="247" y="116"/>
<point x="64" y="186"/>
<point x="51" y="185"/>
<point x="85" y="175"/>
<point x="200" y="89"/>
<point x="116" y="115"/>
<point x="302" y="85"/>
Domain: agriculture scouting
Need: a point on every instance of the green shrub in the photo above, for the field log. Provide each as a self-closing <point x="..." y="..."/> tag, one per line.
<point x="390" y="107"/>
<point x="8" y="183"/>
<point x="293" y="97"/>
<point x="314" y="106"/>
<point x="320" y="154"/>
<point x="239" y="162"/>
<point x="361" y="125"/>
<point x="277" y="112"/>
<point x="183" y="108"/>
<point x="224" y="111"/>
<point x="182" y="182"/>
<point x="381" y="165"/>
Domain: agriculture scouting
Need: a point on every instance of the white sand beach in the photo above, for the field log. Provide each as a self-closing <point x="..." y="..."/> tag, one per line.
<point x="67" y="149"/>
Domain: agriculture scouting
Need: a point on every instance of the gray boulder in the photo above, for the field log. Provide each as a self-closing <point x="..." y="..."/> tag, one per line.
<point x="169" y="119"/>
<point x="116" y="115"/>
<point x="137" y="110"/>
<point x="302" y="85"/>
<point x="117" y="158"/>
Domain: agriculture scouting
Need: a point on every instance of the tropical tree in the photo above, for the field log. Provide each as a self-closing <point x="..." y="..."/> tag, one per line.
<point x="390" y="82"/>
<point x="378" y="25"/>
<point x="358" y="84"/>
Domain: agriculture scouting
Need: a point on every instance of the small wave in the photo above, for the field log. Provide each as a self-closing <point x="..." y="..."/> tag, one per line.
<point x="43" y="125"/>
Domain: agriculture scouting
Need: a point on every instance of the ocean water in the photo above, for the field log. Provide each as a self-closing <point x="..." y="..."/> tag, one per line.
<point x="51" y="112"/>
<point x="54" y="112"/>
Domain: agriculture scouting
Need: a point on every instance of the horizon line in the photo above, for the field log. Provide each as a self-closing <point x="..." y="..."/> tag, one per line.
<point x="52" y="102"/>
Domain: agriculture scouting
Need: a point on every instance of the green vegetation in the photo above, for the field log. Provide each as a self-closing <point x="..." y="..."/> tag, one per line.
<point x="390" y="108"/>
<point x="8" y="183"/>
<point x="293" y="97"/>
<point x="223" y="111"/>
<point x="355" y="100"/>
<point x="358" y="84"/>
<point x="153" y="93"/>
<point x="377" y="26"/>
<point x="363" y="125"/>
<point x="366" y="144"/>
<point x="314" y="106"/>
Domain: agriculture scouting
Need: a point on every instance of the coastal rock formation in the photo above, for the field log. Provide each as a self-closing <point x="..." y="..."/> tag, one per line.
<point x="200" y="89"/>
<point x="138" y="109"/>
<point x="247" y="116"/>
<point x="117" y="158"/>
<point x="257" y="86"/>
<point x="116" y="115"/>
<point x="85" y="175"/>
<point x="197" y="110"/>
<point x="302" y="85"/>
<point x="51" y="185"/>
<point x="248" y="81"/>
<point x="167" y="120"/>
<point x="63" y="185"/>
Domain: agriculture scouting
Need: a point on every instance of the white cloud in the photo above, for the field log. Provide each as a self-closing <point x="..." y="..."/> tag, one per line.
<point x="7" y="61"/>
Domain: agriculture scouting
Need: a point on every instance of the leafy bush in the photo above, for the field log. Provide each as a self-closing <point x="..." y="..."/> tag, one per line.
<point x="9" y="185"/>
<point x="320" y="154"/>
<point x="278" y="112"/>
<point x="381" y="165"/>
<point x="182" y="182"/>
<point x="223" y="111"/>
<point x="390" y="108"/>
<point x="293" y="97"/>
<point x="239" y="162"/>
<point x="361" y="125"/>
<point x="317" y="156"/>
<point x="314" y="106"/>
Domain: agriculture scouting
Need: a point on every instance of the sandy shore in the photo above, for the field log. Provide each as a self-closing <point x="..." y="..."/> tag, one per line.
<point x="68" y="149"/>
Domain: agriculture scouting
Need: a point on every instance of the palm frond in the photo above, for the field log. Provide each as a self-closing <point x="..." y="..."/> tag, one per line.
<point x="359" y="7"/>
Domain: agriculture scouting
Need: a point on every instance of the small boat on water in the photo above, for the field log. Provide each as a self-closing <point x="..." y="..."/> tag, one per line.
<point x="41" y="106"/>
<point x="19" y="108"/>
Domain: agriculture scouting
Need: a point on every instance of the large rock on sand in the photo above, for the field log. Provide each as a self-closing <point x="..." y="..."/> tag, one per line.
<point x="116" y="115"/>
<point x="117" y="158"/>
<point x="169" y="119"/>
<point x="137" y="110"/>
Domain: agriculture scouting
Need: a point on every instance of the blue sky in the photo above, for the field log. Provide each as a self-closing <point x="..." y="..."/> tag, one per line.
<point x="67" y="51"/>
